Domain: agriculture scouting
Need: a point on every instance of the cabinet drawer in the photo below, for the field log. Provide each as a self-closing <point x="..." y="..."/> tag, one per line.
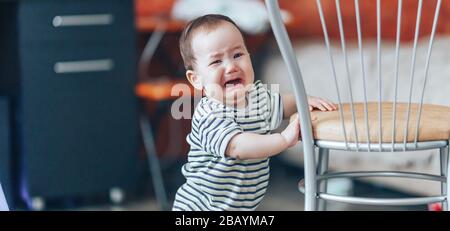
<point x="73" y="109"/>
<point x="74" y="21"/>
<point x="52" y="62"/>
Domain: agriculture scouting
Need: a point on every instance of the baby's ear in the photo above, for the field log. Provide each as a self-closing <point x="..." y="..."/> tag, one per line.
<point x="194" y="79"/>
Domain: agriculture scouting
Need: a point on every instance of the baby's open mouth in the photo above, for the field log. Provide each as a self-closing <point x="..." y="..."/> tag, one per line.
<point x="233" y="82"/>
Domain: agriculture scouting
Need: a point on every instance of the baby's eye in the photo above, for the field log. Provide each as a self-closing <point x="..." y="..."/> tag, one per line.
<point x="237" y="55"/>
<point x="215" y="62"/>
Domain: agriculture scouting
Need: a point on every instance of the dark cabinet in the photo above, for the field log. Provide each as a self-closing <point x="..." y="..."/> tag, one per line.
<point x="5" y="152"/>
<point x="72" y="83"/>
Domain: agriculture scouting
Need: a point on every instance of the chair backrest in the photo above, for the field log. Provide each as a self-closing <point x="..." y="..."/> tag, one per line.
<point x="300" y="92"/>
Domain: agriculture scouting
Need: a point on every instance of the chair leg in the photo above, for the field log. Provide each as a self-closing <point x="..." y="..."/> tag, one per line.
<point x="322" y="167"/>
<point x="154" y="166"/>
<point x="310" y="179"/>
<point x="445" y="187"/>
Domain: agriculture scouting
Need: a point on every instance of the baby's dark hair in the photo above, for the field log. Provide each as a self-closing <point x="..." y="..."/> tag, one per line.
<point x="207" y="22"/>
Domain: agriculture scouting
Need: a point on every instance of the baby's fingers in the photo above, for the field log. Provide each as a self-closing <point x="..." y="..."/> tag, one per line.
<point x="329" y="106"/>
<point x="293" y="117"/>
<point x="321" y="106"/>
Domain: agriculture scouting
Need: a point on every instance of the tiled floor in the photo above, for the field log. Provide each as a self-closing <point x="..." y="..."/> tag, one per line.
<point x="282" y="193"/>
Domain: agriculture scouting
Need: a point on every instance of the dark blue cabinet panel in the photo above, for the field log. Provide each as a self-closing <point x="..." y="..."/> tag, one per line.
<point x="76" y="120"/>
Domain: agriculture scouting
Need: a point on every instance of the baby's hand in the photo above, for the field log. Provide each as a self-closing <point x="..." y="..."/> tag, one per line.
<point x="291" y="133"/>
<point x="321" y="104"/>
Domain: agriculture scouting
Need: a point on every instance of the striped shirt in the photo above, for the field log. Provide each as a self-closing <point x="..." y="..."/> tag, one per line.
<point x="214" y="181"/>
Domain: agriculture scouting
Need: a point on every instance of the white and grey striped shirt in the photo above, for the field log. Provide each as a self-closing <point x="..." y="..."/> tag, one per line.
<point x="217" y="182"/>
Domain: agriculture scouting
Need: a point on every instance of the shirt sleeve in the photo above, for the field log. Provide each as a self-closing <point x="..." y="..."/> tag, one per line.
<point x="276" y="109"/>
<point x="216" y="131"/>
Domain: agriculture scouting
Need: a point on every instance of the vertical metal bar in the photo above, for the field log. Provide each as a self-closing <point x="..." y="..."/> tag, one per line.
<point x="448" y="179"/>
<point x="347" y="70"/>
<point x="397" y="57"/>
<point x="363" y="71"/>
<point x="153" y="163"/>
<point x="322" y="168"/>
<point x="444" y="165"/>
<point x="380" y="134"/>
<point x="150" y="48"/>
<point x="430" y="47"/>
<point x="413" y="65"/>
<point x="333" y="69"/>
<point x="295" y="75"/>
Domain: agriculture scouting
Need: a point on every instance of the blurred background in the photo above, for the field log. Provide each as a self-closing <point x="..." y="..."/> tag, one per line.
<point x="86" y="97"/>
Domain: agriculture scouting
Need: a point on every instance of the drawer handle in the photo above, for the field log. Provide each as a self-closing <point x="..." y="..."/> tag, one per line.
<point x="83" y="66"/>
<point x="83" y="20"/>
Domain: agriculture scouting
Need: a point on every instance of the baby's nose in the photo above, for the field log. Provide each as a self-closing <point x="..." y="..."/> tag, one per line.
<point x="231" y="67"/>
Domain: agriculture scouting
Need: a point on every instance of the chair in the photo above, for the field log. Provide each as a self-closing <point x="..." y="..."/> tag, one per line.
<point x="158" y="92"/>
<point x="378" y="126"/>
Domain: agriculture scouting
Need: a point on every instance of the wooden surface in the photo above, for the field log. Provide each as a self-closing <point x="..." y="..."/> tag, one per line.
<point x="435" y="123"/>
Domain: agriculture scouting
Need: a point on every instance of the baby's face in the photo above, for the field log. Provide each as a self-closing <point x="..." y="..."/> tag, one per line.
<point x="223" y="65"/>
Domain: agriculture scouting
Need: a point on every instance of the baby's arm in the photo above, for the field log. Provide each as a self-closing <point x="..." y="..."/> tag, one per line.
<point x="255" y="146"/>
<point x="289" y="106"/>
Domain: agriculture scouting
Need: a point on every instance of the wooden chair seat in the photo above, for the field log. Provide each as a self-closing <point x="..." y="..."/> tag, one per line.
<point x="434" y="125"/>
